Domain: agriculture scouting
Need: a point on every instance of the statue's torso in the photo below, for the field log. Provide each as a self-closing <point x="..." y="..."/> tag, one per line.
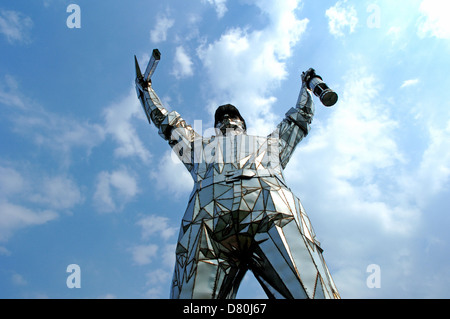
<point x="239" y="186"/>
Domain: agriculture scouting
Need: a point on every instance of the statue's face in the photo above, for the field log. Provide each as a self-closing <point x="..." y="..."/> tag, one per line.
<point x="231" y="124"/>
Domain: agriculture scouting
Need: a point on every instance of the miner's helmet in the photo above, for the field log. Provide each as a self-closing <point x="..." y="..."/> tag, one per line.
<point x="232" y="112"/>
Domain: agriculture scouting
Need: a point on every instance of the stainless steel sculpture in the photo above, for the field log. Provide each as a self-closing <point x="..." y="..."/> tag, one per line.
<point x="241" y="215"/>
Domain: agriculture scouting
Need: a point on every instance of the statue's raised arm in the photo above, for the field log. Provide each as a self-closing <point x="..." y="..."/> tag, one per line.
<point x="296" y="123"/>
<point x="170" y="125"/>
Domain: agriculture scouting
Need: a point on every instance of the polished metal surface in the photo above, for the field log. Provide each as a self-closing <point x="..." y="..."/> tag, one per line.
<point x="241" y="215"/>
<point x="320" y="89"/>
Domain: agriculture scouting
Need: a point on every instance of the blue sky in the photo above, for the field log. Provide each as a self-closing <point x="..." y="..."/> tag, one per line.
<point x="85" y="180"/>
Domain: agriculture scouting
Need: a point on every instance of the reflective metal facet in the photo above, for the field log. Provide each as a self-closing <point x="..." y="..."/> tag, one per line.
<point x="241" y="215"/>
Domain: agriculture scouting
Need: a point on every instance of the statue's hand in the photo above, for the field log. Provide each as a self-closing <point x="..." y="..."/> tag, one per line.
<point x="145" y="81"/>
<point x="306" y="76"/>
<point x="303" y="76"/>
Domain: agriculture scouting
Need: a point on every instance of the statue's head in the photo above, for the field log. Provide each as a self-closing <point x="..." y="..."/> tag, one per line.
<point x="228" y="118"/>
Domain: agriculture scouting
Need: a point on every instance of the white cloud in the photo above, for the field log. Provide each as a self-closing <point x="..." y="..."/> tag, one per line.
<point x="156" y="225"/>
<point x="58" y="192"/>
<point x="394" y="32"/>
<point x="18" y="280"/>
<point x="219" y="5"/>
<point x="15" y="26"/>
<point x="162" y="26"/>
<point x="434" y="20"/>
<point x="159" y="281"/>
<point x="14" y="217"/>
<point x="63" y="134"/>
<point x="11" y="181"/>
<point x="341" y="17"/>
<point x="58" y="133"/>
<point x="171" y="176"/>
<point x="159" y="276"/>
<point x="143" y="254"/>
<point x="160" y="233"/>
<point x="168" y="256"/>
<point x="410" y="82"/>
<point x="29" y="199"/>
<point x="157" y="230"/>
<point x="9" y="93"/>
<point x="182" y="67"/>
<point x="154" y="293"/>
<point x="118" y="123"/>
<point x="434" y="168"/>
<point x="114" y="190"/>
<point x="51" y="130"/>
<point x="243" y="66"/>
<point x="4" y="251"/>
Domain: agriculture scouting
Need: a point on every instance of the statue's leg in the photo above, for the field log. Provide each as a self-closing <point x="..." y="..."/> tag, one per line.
<point x="289" y="265"/>
<point x="200" y="273"/>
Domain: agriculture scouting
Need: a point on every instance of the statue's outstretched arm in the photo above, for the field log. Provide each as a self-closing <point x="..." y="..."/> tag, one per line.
<point x="295" y="125"/>
<point x="170" y="125"/>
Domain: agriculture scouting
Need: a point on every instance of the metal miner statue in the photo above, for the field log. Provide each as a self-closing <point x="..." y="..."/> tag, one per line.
<point x="241" y="215"/>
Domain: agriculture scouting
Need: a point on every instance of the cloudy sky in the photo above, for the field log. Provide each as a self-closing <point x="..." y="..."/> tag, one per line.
<point x="85" y="180"/>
